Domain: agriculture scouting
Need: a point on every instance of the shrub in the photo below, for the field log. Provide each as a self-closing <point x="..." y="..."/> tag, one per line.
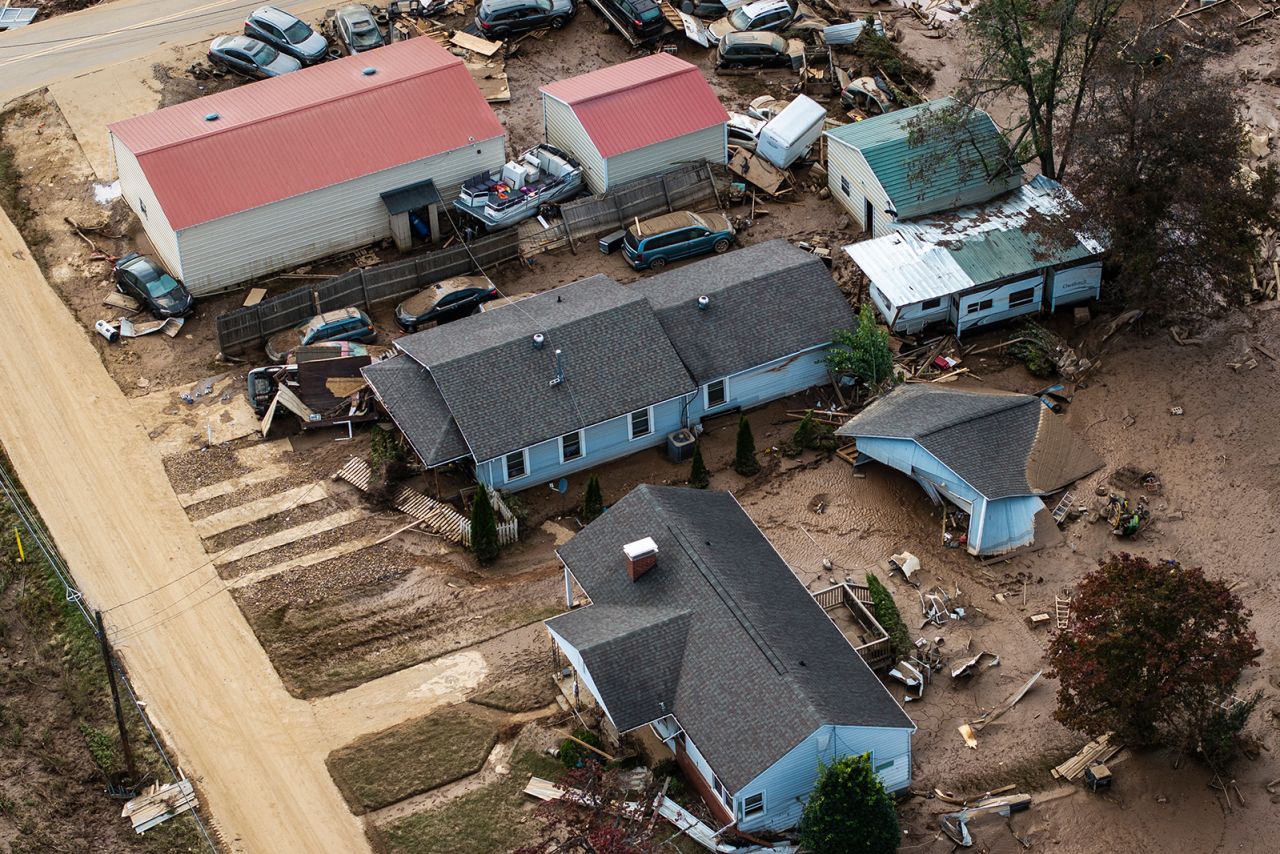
<point x="484" y="527"/>
<point x="593" y="501"/>
<point x="849" y="812"/>
<point x="572" y="754"/>
<point x="744" y="459"/>
<point x="699" y="477"/>
<point x="890" y="619"/>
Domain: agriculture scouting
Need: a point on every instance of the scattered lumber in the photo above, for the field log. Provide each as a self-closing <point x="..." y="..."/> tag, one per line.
<point x="466" y="41"/>
<point x="159" y="804"/>
<point x="1008" y="704"/>
<point x="1097" y="751"/>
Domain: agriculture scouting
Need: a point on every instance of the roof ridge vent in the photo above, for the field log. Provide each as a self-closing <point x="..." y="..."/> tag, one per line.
<point x="539" y="340"/>
<point x="704" y="302"/>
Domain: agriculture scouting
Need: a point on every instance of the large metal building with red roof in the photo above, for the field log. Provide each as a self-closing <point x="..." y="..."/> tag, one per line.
<point x="284" y="171"/>
<point x="639" y="118"/>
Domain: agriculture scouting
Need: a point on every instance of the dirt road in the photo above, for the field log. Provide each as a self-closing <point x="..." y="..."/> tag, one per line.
<point x="257" y="753"/>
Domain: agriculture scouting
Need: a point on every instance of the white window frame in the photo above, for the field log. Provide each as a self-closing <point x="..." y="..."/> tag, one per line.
<point x="706" y="393"/>
<point x="747" y="812"/>
<point x="506" y="467"/>
<point x="721" y="791"/>
<point x="631" y="424"/>
<point x="582" y="446"/>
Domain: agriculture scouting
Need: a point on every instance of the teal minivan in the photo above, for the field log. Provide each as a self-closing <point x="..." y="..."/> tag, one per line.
<point x="650" y="244"/>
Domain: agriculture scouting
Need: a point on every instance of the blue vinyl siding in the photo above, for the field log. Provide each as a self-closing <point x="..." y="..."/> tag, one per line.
<point x="994" y="526"/>
<point x="787" y="783"/>
<point x="602" y="442"/>
<point x="779" y="378"/>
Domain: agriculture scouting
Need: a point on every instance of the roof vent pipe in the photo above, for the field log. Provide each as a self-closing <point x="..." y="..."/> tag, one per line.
<point x="703" y="302"/>
<point x="559" y="377"/>
<point x="370" y="71"/>
<point x="211" y="117"/>
<point x="539" y="340"/>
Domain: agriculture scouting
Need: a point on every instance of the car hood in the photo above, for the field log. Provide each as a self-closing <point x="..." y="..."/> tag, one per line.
<point x="721" y="28"/>
<point x="282" y="64"/>
<point x="174" y="302"/>
<point x="313" y="45"/>
<point x="561" y="5"/>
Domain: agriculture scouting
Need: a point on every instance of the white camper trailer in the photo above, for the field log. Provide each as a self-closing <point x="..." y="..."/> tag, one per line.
<point x="788" y="135"/>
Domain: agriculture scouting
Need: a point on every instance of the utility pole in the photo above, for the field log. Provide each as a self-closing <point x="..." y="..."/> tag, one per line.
<point x="107" y="660"/>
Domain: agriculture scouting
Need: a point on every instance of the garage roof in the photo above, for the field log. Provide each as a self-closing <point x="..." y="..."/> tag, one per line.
<point x="310" y="129"/>
<point x="639" y="103"/>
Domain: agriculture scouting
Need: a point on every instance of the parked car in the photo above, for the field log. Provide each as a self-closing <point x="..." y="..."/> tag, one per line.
<point x="651" y="243"/>
<point x="744" y="130"/>
<point x="753" y="18"/>
<point x="146" y="281"/>
<point x="530" y="184"/>
<point x="357" y="29"/>
<point x="501" y="18"/>
<point x="869" y="94"/>
<point x="643" y="17"/>
<point x="286" y="33"/>
<point x="250" y="57"/>
<point x="345" y="324"/>
<point x="764" y="50"/>
<point x="451" y="299"/>
<point x="707" y="9"/>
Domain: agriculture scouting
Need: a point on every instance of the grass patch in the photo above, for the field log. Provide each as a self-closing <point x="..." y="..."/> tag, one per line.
<point x="526" y="696"/>
<point x="485" y="821"/>
<point x="411" y="758"/>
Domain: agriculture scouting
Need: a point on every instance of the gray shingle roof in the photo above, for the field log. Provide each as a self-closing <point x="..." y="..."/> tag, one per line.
<point x="418" y="409"/>
<point x="720" y="633"/>
<point x="1000" y="443"/>
<point x="767" y="301"/>
<point x="498" y="386"/>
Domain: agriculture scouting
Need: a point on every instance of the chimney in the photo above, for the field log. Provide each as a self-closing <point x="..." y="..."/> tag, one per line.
<point x="642" y="556"/>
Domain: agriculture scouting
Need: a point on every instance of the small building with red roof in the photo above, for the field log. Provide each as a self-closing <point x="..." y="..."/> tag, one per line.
<point x="284" y="171"/>
<point x="639" y="118"/>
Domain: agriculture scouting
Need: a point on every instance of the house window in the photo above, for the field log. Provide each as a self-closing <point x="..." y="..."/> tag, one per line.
<point x="717" y="394"/>
<point x="517" y="465"/>
<point x="570" y="446"/>
<point x="981" y="305"/>
<point x="721" y="791"/>
<point x="753" y="805"/>
<point x="931" y="304"/>
<point x="641" y="423"/>
<point x="1022" y="297"/>
<point x="844" y="186"/>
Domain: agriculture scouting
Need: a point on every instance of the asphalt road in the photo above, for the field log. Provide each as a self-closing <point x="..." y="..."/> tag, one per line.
<point x="68" y="45"/>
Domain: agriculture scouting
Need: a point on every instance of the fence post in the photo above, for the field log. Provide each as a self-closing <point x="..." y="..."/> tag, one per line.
<point x="666" y="194"/>
<point x="364" y="289"/>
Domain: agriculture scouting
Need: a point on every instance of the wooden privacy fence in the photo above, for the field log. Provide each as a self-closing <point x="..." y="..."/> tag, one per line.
<point x="249" y="327"/>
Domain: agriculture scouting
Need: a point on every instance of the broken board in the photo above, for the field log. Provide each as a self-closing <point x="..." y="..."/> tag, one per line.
<point x="115" y="299"/>
<point x="466" y="41"/>
<point x="491" y="79"/>
<point x="758" y="171"/>
<point x="254" y="296"/>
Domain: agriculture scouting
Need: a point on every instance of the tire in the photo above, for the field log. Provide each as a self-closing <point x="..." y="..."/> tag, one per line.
<point x="721" y="246"/>
<point x="657" y="263"/>
<point x="559" y="22"/>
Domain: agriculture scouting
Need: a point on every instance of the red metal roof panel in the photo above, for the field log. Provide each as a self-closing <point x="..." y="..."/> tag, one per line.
<point x="638" y="103"/>
<point x="310" y="129"/>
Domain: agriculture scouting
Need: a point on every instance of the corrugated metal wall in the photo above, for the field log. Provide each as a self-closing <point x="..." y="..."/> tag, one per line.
<point x="219" y="255"/>
<point x="564" y="131"/>
<point x="708" y="144"/>
<point x="602" y="442"/>
<point x="137" y="193"/>
<point x="787" y="783"/>
<point x="848" y="163"/>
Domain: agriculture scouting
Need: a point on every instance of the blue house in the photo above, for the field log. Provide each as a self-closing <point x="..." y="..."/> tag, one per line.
<point x="573" y="377"/>
<point x="698" y="630"/>
<point x="992" y="454"/>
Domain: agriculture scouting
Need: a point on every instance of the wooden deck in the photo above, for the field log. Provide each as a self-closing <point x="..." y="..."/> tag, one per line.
<point x="849" y="607"/>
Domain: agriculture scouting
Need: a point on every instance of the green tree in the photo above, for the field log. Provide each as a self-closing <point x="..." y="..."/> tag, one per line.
<point x="1152" y="651"/>
<point x="699" y="477"/>
<point x="849" y="812"/>
<point x="593" y="501"/>
<point x="863" y="353"/>
<point x="1041" y="55"/>
<point x="484" y="527"/>
<point x="744" y="458"/>
<point x="889" y="617"/>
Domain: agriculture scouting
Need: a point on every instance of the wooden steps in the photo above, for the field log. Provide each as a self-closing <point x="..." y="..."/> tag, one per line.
<point x="440" y="518"/>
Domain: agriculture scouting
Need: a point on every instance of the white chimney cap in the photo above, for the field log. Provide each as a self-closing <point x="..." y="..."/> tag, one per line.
<point x="640" y="548"/>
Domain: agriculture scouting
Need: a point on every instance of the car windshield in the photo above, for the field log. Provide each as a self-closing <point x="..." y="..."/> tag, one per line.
<point x="262" y="53"/>
<point x="156" y="283"/>
<point x="297" y="32"/>
<point x="364" y="33"/>
<point x="651" y="14"/>
<point x="740" y="19"/>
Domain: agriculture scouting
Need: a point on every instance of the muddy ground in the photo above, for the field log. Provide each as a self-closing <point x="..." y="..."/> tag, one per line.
<point x="334" y="624"/>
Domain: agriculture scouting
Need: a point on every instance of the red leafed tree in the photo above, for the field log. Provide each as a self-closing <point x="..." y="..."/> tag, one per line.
<point x="601" y="816"/>
<point x="1151" y="651"/>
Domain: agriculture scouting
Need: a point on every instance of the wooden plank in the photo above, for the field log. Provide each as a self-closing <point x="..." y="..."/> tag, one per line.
<point x="119" y="300"/>
<point x="290" y="535"/>
<point x="466" y="41"/>
<point x="256" y="511"/>
<point x="254" y="296"/>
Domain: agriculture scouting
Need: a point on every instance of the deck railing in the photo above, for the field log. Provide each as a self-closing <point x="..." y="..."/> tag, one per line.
<point x="856" y="598"/>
